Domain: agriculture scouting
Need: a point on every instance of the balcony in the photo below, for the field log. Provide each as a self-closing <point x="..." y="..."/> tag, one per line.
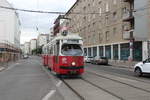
<point x="127" y="0"/>
<point x="127" y="35"/>
<point x="128" y="16"/>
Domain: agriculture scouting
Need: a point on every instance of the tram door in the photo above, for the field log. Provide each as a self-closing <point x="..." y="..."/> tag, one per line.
<point x="56" y="55"/>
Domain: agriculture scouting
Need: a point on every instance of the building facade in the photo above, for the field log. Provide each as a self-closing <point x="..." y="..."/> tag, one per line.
<point x="42" y="39"/>
<point x="111" y="28"/>
<point x="27" y="48"/>
<point x="9" y="25"/>
<point x="9" y="33"/>
<point x="33" y="45"/>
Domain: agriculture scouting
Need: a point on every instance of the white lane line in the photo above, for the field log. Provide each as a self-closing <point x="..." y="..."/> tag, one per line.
<point x="49" y="95"/>
<point x="59" y="83"/>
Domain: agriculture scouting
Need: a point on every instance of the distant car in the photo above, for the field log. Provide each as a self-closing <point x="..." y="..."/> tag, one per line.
<point x="142" y="68"/>
<point x="25" y="56"/>
<point x="100" y="60"/>
<point x="87" y="59"/>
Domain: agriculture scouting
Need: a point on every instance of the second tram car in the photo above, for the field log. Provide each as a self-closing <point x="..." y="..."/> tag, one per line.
<point x="45" y="55"/>
<point x="65" y="55"/>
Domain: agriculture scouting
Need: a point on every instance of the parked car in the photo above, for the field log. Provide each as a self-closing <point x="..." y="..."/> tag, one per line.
<point x="25" y="56"/>
<point x="87" y="59"/>
<point x="100" y="60"/>
<point x="142" y="68"/>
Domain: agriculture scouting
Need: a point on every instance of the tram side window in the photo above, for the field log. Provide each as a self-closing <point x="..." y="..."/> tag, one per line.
<point x="51" y="50"/>
<point x="56" y="48"/>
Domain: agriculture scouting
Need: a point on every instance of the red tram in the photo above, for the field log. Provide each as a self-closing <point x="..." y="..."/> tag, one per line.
<point x="64" y="55"/>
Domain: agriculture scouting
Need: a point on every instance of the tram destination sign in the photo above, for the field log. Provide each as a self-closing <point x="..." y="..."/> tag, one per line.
<point x="72" y="41"/>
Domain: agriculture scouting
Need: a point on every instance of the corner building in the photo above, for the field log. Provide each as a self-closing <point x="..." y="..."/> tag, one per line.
<point x="109" y="28"/>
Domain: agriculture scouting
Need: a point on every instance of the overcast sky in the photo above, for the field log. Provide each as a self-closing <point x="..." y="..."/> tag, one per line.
<point x="29" y="21"/>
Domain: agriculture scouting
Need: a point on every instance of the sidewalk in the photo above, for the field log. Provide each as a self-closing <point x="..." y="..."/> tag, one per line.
<point x="124" y="64"/>
<point x="5" y="65"/>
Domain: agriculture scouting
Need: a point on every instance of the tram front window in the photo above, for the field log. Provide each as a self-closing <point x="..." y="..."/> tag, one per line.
<point x="71" y="50"/>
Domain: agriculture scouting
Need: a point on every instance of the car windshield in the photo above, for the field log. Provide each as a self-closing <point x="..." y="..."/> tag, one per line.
<point x="71" y="50"/>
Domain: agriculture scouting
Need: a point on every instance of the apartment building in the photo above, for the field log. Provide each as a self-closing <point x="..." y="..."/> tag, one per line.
<point x="111" y="28"/>
<point x="42" y="39"/>
<point x="33" y="45"/>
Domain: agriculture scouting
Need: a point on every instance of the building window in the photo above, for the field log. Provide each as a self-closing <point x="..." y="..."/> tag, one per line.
<point x="124" y="10"/>
<point x="115" y="52"/>
<point x="94" y="39"/>
<point x="84" y="18"/>
<point x="114" y="30"/>
<point x="94" y="51"/>
<point x="84" y="8"/>
<point x="106" y="19"/>
<point x="108" y="51"/>
<point x="107" y="35"/>
<point x="89" y="52"/>
<point x="99" y="2"/>
<point x="125" y="51"/>
<point x="137" y="51"/>
<point x="114" y="2"/>
<point x="93" y="24"/>
<point x="101" y="51"/>
<point x="107" y="7"/>
<point x="89" y="18"/>
<point x="100" y="11"/>
<point x="114" y="15"/>
<point x="89" y="39"/>
<point x="100" y="37"/>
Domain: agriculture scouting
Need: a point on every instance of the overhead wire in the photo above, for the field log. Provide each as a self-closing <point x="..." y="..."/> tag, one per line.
<point x="145" y="7"/>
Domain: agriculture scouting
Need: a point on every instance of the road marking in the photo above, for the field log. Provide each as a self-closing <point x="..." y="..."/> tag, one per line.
<point x="49" y="95"/>
<point x="2" y="68"/>
<point x="59" y="83"/>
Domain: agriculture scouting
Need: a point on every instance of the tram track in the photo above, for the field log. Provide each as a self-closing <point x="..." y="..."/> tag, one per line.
<point x="130" y="76"/>
<point x="120" y="98"/>
<point x="98" y="86"/>
<point x="73" y="90"/>
<point x="92" y="84"/>
<point x="130" y="85"/>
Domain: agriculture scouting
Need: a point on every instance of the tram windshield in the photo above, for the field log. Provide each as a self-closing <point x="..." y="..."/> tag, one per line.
<point x="71" y="50"/>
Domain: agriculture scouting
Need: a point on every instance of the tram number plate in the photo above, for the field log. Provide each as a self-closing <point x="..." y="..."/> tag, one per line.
<point x="73" y="72"/>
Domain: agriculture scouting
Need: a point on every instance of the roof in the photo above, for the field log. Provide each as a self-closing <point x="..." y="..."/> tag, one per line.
<point x="72" y="7"/>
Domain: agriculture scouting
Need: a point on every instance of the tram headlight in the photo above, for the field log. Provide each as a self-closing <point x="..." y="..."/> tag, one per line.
<point x="73" y="63"/>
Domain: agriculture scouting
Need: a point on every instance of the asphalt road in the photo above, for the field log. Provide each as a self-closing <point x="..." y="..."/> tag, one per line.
<point x="117" y="71"/>
<point x="25" y="80"/>
<point x="29" y="80"/>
